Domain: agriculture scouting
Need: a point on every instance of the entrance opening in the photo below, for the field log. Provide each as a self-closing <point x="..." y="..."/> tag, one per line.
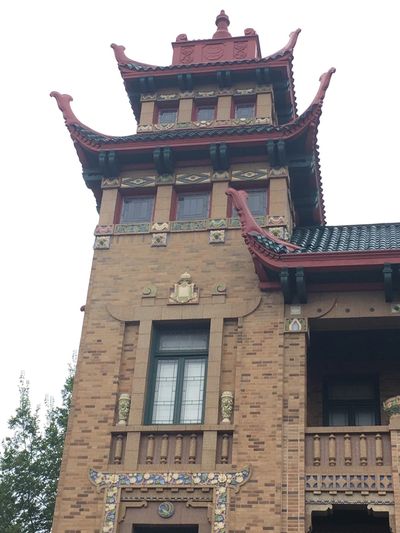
<point x="342" y="520"/>
<point x="166" y="529"/>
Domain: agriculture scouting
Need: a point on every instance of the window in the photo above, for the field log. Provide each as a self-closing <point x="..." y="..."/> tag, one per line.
<point x="205" y="113"/>
<point x="351" y="402"/>
<point x="137" y="209"/>
<point x="178" y="377"/>
<point x="257" y="202"/>
<point x="245" y="110"/>
<point x="192" y="206"/>
<point x="167" y="116"/>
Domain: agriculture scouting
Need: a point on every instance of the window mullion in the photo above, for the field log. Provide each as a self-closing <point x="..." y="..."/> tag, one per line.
<point x="179" y="390"/>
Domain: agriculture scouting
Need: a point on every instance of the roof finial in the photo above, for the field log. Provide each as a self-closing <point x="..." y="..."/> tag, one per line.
<point x="222" y="22"/>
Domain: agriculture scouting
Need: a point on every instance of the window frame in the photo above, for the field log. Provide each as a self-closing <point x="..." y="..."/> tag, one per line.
<point x="139" y="194"/>
<point x="199" y="107"/>
<point x="350" y="405"/>
<point x="167" y="109"/>
<point x="188" y="192"/>
<point x="238" y="103"/>
<point x="181" y="356"/>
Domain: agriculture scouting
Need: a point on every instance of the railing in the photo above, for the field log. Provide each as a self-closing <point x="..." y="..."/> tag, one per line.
<point x="170" y="448"/>
<point x="328" y="447"/>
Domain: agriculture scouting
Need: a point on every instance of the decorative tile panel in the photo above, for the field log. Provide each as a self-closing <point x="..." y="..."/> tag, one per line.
<point x="249" y="175"/>
<point x="281" y="172"/>
<point x="102" y="242"/>
<point x="160" y="226"/>
<point x="220" y="176"/>
<point x="189" y="225"/>
<point x="105" y="229"/>
<point x="217" y="223"/>
<point x="216" y="236"/>
<point x="190" y="179"/>
<point x="145" y="181"/>
<point x="159" y="239"/>
<point x="132" y="228"/>
<point x="110" y="183"/>
<point x="275" y="220"/>
<point x="296" y="325"/>
<point x="165" y="179"/>
<point x="220" y="482"/>
<point x="349" y="482"/>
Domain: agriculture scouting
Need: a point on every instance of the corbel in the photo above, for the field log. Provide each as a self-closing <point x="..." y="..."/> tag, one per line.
<point x="163" y="160"/>
<point x="263" y="76"/>
<point x="147" y="85"/>
<point x="284" y="277"/>
<point x="388" y="282"/>
<point x="224" y="78"/>
<point x="301" y="285"/>
<point x="108" y="163"/>
<point x="219" y="156"/>
<point x="185" y="82"/>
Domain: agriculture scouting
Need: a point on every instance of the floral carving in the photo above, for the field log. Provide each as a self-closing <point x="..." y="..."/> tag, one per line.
<point x="102" y="242"/>
<point x="159" y="239"/>
<point x="391" y="406"/>
<point x="124" y="404"/>
<point x="216" y="236"/>
<point x="226" y="407"/>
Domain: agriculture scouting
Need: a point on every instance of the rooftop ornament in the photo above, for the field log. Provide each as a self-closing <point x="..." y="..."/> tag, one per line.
<point x="222" y="22"/>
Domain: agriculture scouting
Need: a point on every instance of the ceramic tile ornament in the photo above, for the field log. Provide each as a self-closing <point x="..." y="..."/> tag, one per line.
<point x="102" y="242"/>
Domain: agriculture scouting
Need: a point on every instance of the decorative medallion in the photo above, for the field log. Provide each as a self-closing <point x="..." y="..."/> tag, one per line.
<point x="159" y="239"/>
<point x="240" y="49"/>
<point x="149" y="292"/>
<point x="166" y="509"/>
<point x="391" y="406"/>
<point x="220" y="482"/>
<point x="102" y="242"/>
<point x="216" y="236"/>
<point x="295" y="325"/>
<point x="184" y="291"/>
<point x="218" y="289"/>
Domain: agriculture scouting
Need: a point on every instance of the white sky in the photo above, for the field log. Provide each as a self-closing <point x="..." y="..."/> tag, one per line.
<point x="48" y="215"/>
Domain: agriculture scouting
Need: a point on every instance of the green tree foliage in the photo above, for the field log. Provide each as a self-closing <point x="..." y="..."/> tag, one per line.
<point x="30" y="463"/>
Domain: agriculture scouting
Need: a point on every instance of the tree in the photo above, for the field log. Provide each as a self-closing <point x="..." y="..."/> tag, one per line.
<point x="30" y="463"/>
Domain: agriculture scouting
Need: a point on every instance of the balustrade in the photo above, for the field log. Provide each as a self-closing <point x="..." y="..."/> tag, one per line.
<point x="170" y="448"/>
<point x="328" y="447"/>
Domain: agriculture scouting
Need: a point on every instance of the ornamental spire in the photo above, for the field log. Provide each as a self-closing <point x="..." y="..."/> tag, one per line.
<point x="222" y="22"/>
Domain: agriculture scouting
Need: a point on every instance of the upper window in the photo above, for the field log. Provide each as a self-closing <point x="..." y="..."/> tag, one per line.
<point x="178" y="377"/>
<point x="192" y="205"/>
<point x="167" y="116"/>
<point x="205" y="113"/>
<point x="352" y="402"/>
<point x="137" y="209"/>
<point x="257" y="202"/>
<point x="245" y="110"/>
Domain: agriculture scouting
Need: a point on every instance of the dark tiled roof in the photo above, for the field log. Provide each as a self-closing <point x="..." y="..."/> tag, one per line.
<point x="358" y="238"/>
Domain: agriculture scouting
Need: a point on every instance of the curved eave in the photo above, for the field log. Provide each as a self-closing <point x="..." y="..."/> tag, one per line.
<point x="321" y="261"/>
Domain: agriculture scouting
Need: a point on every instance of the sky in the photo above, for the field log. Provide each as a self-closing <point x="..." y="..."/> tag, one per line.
<point x="48" y="215"/>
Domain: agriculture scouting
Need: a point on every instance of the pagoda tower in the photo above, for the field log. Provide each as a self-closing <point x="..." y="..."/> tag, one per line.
<point x="238" y="368"/>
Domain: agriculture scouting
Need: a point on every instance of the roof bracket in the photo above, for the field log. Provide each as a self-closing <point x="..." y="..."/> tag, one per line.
<point x="301" y="285"/>
<point x="185" y="82"/>
<point x="224" y="78"/>
<point x="388" y="282"/>
<point x="108" y="163"/>
<point x="263" y="76"/>
<point x="147" y="85"/>
<point x="276" y="151"/>
<point x="285" y="284"/>
<point x="219" y="155"/>
<point x="163" y="160"/>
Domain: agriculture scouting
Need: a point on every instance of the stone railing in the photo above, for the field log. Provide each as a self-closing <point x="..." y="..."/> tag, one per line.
<point x="170" y="448"/>
<point x="347" y="448"/>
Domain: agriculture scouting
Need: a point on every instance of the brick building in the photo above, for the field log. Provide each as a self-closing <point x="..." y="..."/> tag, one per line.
<point x="238" y="367"/>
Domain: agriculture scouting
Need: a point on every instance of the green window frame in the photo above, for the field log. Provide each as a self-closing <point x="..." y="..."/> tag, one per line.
<point x="178" y="376"/>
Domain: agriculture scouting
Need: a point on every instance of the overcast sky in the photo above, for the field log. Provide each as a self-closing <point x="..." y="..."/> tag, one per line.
<point x="48" y="215"/>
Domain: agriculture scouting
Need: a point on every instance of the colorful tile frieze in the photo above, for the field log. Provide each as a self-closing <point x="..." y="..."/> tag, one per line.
<point x="205" y="93"/>
<point x="190" y="179"/>
<point x="102" y="242"/>
<point x="275" y="220"/>
<point x="221" y="482"/>
<point x="145" y="181"/>
<point x="217" y="223"/>
<point x="132" y="228"/>
<point x="190" y="225"/>
<point x="160" y="226"/>
<point x="250" y="175"/>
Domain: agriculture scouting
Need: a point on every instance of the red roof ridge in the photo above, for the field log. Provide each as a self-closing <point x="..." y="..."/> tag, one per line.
<point x="64" y="105"/>
<point x="289" y="47"/>
<point x="247" y="221"/>
<point x="324" y="84"/>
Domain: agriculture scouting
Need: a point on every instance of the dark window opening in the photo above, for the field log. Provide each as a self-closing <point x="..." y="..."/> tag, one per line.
<point x="205" y="113"/>
<point x="165" y="529"/>
<point x="351" y="402"/>
<point x="178" y="377"/>
<point x="342" y="520"/>
<point x="167" y="116"/>
<point x="137" y="209"/>
<point x="192" y="206"/>
<point x="245" y="110"/>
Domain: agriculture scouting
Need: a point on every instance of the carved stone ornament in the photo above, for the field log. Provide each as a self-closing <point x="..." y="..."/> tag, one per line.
<point x="296" y="325"/>
<point x="104" y="229"/>
<point x="221" y="482"/>
<point x="391" y="406"/>
<point x="184" y="291"/>
<point x="124" y="403"/>
<point x="149" y="291"/>
<point x="110" y="183"/>
<point x="159" y="239"/>
<point x="102" y="242"/>
<point x="216" y="236"/>
<point x="226" y="407"/>
<point x="166" y="509"/>
<point x="160" y="226"/>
